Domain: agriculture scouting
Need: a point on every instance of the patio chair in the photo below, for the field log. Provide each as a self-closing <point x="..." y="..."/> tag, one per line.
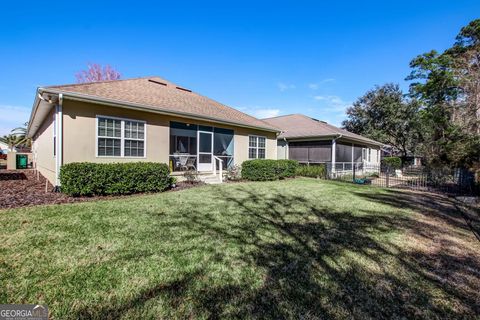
<point x="187" y="163"/>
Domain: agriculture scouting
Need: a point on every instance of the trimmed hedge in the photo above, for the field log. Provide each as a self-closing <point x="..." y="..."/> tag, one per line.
<point x="392" y="162"/>
<point x="313" y="171"/>
<point x="88" y="179"/>
<point x="266" y="170"/>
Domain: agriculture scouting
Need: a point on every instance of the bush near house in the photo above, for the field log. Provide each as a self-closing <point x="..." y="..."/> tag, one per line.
<point x="392" y="162"/>
<point x="265" y="170"/>
<point x="312" y="171"/>
<point x="87" y="179"/>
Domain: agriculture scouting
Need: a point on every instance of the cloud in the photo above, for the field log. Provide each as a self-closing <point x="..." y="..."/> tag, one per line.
<point x="333" y="108"/>
<point x="284" y="86"/>
<point x="12" y="117"/>
<point x="261" y="112"/>
<point x="334" y="102"/>
<point x="266" y="113"/>
<point x="317" y="85"/>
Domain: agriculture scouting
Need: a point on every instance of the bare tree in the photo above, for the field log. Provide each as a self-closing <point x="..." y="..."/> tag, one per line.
<point x="95" y="72"/>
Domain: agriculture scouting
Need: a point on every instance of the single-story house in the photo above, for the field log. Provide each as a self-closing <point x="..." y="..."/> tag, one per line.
<point x="142" y="119"/>
<point x="311" y="141"/>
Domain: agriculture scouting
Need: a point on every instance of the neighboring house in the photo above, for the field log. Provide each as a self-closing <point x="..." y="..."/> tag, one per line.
<point x="410" y="159"/>
<point x="3" y="148"/>
<point x="142" y="119"/>
<point x="311" y="141"/>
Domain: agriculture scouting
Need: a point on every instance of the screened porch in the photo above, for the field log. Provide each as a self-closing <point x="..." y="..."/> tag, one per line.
<point x="340" y="157"/>
<point x="200" y="148"/>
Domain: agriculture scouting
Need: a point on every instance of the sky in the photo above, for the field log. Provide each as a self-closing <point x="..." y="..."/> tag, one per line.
<point x="263" y="58"/>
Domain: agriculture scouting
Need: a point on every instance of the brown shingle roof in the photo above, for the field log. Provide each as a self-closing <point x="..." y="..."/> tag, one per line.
<point x="297" y="126"/>
<point x="158" y="93"/>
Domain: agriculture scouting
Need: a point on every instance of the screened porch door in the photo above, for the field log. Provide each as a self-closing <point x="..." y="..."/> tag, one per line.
<point x="205" y="151"/>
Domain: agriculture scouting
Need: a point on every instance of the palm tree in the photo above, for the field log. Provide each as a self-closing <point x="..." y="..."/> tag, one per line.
<point x="11" y="141"/>
<point x="21" y="133"/>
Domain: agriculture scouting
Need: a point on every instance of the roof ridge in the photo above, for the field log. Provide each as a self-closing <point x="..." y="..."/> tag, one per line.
<point x="103" y="81"/>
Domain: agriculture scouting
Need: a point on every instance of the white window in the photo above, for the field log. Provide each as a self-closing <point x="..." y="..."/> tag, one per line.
<point x="120" y="137"/>
<point x="134" y="143"/>
<point x="256" y="147"/>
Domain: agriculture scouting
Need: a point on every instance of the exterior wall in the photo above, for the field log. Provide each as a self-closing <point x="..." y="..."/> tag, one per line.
<point x="43" y="149"/>
<point x="282" y="149"/>
<point x="240" y="151"/>
<point x="374" y="156"/>
<point x="79" y="127"/>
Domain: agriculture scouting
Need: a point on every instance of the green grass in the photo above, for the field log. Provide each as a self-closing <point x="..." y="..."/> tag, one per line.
<point x="300" y="248"/>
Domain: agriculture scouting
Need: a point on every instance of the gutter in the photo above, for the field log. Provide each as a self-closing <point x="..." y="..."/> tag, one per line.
<point x="141" y="107"/>
<point x="338" y="137"/>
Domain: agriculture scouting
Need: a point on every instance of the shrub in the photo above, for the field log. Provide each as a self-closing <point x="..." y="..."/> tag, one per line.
<point x="87" y="179"/>
<point x="191" y="176"/>
<point x="265" y="170"/>
<point x="234" y="173"/>
<point x="392" y="162"/>
<point x="313" y="171"/>
<point x="287" y="168"/>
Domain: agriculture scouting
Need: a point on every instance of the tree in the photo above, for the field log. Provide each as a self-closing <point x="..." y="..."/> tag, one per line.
<point x="448" y="86"/>
<point x="11" y="141"/>
<point x="21" y="133"/>
<point x="385" y="115"/>
<point x="95" y="72"/>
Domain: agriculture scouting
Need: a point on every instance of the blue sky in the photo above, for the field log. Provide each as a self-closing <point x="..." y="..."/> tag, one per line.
<point x="264" y="58"/>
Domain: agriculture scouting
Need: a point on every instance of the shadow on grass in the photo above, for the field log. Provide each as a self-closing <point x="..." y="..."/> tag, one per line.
<point x="317" y="263"/>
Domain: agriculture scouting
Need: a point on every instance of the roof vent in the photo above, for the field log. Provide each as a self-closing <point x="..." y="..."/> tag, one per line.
<point x="158" y="82"/>
<point x="318" y="120"/>
<point x="183" y="89"/>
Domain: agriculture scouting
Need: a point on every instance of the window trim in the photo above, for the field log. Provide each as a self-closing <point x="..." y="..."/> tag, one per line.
<point x="122" y="137"/>
<point x="257" y="147"/>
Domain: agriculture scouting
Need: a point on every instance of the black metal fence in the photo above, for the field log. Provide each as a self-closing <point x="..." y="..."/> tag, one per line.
<point x="452" y="181"/>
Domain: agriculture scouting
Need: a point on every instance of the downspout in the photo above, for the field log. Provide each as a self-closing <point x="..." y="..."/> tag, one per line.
<point x="59" y="141"/>
<point x="286" y="154"/>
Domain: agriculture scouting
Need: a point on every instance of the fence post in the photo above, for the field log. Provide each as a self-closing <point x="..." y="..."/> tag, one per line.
<point x="387" y="177"/>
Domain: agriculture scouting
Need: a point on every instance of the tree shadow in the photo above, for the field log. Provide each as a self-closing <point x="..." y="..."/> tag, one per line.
<point x="317" y="263"/>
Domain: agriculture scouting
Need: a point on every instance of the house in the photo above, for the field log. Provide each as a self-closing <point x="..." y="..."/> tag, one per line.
<point x="408" y="159"/>
<point x="3" y="148"/>
<point x="142" y="119"/>
<point x="311" y="141"/>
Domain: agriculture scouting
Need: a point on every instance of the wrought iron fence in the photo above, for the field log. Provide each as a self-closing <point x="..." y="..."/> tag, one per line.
<point x="453" y="181"/>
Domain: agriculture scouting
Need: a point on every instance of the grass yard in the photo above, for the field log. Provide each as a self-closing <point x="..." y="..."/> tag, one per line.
<point x="300" y="248"/>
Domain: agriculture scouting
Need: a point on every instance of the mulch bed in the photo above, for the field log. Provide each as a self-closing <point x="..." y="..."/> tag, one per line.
<point x="20" y="188"/>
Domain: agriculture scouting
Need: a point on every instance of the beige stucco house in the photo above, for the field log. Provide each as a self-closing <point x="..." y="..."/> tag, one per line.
<point x="142" y="119"/>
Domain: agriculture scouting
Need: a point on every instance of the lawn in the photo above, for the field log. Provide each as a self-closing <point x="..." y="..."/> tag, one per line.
<point x="300" y="248"/>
